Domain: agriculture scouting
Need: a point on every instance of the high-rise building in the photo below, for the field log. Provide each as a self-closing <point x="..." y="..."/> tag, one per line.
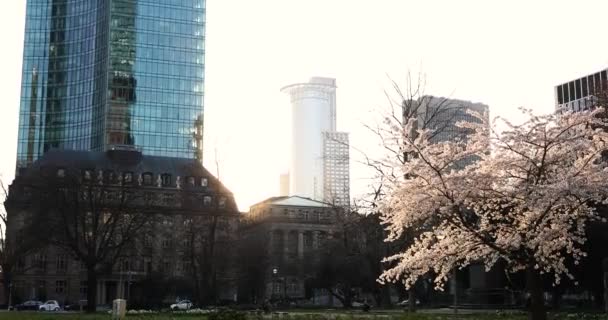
<point x="443" y="116"/>
<point x="582" y="93"/>
<point x="97" y="74"/>
<point x="336" y="175"/>
<point x="315" y="143"/>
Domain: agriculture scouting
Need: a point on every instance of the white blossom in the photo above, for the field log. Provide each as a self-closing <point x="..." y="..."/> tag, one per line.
<point x="523" y="196"/>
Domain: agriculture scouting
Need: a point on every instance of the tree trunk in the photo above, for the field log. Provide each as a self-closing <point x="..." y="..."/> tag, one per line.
<point x="537" y="305"/>
<point x="6" y="286"/>
<point x="411" y="296"/>
<point x="91" y="290"/>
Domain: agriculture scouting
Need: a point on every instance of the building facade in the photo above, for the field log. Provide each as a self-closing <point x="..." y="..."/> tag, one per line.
<point x="190" y="233"/>
<point x="582" y="93"/>
<point x="112" y="72"/>
<point x="336" y="169"/>
<point x="313" y="124"/>
<point x="443" y="115"/>
<point x="282" y="239"/>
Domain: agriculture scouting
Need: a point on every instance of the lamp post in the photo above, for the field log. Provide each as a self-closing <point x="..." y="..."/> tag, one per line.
<point x="129" y="286"/>
<point x="275" y="271"/>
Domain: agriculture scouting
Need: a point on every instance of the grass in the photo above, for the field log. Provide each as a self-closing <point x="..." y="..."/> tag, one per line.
<point x="337" y="315"/>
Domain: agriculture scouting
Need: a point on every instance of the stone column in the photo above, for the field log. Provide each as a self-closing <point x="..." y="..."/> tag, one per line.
<point x="285" y="244"/>
<point x="300" y="244"/>
<point x="271" y="242"/>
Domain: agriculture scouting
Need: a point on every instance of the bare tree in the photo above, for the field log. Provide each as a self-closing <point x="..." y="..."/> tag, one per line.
<point x="15" y="244"/>
<point x="94" y="219"/>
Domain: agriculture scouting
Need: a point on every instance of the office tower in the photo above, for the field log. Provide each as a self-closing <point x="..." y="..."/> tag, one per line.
<point x="314" y="166"/>
<point x="336" y="174"/>
<point x="443" y="115"/>
<point x="107" y="73"/>
<point x="582" y="93"/>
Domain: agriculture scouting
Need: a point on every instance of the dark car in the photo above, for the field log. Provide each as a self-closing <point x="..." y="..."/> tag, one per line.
<point x="76" y="306"/>
<point x="29" y="305"/>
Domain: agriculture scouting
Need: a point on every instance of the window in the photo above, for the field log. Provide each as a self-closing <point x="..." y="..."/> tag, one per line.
<point x="584" y="84"/>
<point x="60" y="173"/>
<point x="166" y="243"/>
<point x="204" y="182"/>
<point x="83" y="288"/>
<point x="166" y="179"/>
<point x="127" y="177"/>
<point x="87" y="175"/>
<point x="62" y="263"/>
<point x="110" y="176"/>
<point x="191" y="181"/>
<point x="147" y="241"/>
<point x="147" y="179"/>
<point x="207" y="201"/>
<point x="40" y="261"/>
<point x="60" y="286"/>
<point x="222" y="202"/>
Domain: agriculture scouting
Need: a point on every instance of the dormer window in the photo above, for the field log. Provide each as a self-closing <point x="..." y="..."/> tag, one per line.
<point x="207" y="201"/>
<point x="127" y="177"/>
<point x="191" y="181"/>
<point x="87" y="175"/>
<point x="166" y="179"/>
<point x="60" y="173"/>
<point x="147" y="179"/>
<point x="110" y="176"/>
<point x="204" y="182"/>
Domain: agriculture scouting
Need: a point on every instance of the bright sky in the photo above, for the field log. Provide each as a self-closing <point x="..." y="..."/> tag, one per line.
<point x="505" y="54"/>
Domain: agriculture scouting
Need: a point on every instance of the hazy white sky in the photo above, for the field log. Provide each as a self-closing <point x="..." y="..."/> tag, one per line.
<point x="506" y="54"/>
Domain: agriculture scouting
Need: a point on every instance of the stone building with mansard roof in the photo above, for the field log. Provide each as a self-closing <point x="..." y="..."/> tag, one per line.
<point x="178" y="193"/>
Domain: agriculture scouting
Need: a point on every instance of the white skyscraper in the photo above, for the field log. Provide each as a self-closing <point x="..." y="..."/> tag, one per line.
<point x="315" y="171"/>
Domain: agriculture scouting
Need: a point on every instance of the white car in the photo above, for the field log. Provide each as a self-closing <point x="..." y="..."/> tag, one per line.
<point x="182" y="305"/>
<point x="51" y="305"/>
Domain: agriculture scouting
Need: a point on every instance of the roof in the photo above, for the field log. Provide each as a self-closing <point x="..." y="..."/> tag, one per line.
<point x="295" y="201"/>
<point x="120" y="160"/>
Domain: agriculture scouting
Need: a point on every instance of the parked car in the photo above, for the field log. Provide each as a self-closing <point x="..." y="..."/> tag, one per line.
<point x="406" y="303"/>
<point x="76" y="306"/>
<point x="51" y="305"/>
<point x="28" y="305"/>
<point x="182" y="305"/>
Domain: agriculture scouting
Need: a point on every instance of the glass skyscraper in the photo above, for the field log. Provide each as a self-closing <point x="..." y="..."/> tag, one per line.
<point x="100" y="73"/>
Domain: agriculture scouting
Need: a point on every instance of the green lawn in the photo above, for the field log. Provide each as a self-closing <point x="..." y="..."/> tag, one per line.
<point x="335" y="315"/>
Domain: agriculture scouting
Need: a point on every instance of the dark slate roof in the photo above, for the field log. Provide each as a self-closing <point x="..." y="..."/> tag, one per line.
<point x="120" y="161"/>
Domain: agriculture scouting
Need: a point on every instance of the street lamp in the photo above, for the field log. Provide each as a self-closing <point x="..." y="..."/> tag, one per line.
<point x="129" y="286"/>
<point x="275" y="271"/>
